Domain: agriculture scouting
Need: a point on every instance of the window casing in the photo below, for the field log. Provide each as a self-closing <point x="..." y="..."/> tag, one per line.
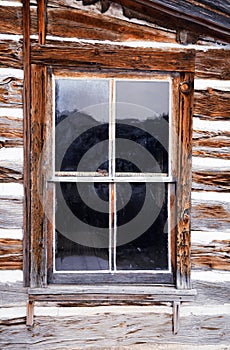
<point x="54" y="177"/>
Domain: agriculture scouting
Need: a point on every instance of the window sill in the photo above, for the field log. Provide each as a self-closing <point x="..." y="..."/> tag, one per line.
<point x="89" y="295"/>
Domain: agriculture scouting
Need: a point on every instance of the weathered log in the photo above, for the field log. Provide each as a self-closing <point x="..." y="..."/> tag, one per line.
<point x="11" y="131"/>
<point x="213" y="255"/>
<point x="10" y="254"/>
<point x="211" y="180"/>
<point x="11" y="212"/>
<point x="93" y="56"/>
<point x="214" y="139"/>
<point x="213" y="64"/>
<point x="10" y="54"/>
<point x="11" y="92"/>
<point x="123" y="329"/>
<point x="213" y="215"/>
<point x="11" y="20"/>
<point x="212" y="103"/>
<point x="85" y="25"/>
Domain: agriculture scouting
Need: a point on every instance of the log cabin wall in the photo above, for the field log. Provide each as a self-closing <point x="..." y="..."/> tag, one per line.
<point x="204" y="322"/>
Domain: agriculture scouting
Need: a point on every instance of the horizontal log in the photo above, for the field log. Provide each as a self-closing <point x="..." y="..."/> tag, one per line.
<point x="11" y="19"/>
<point x="210" y="152"/>
<point x="11" y="166"/>
<point x="124" y="329"/>
<point x="11" y="92"/>
<point x="10" y="54"/>
<point x="209" y="216"/>
<point x="10" y="254"/>
<point x="11" y="209"/>
<point x="213" y="64"/>
<point x="106" y="56"/>
<point x="212" y="104"/>
<point x="213" y="255"/>
<point x="11" y="131"/>
<point x="71" y="23"/>
<point x="214" y="139"/>
<point x="10" y="175"/>
<point x="211" y="180"/>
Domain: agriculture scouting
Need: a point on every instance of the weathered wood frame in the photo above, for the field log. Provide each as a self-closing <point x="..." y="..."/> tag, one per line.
<point x="43" y="56"/>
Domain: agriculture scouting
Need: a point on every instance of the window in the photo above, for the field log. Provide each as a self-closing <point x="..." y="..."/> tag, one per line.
<point x="112" y="180"/>
<point x="110" y="168"/>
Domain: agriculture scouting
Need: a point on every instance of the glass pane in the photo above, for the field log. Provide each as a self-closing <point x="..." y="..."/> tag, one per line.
<point x="142" y="129"/>
<point x="142" y="229"/>
<point x="81" y="120"/>
<point x="82" y="226"/>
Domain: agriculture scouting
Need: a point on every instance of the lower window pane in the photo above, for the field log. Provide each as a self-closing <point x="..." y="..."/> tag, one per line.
<point x="82" y="227"/>
<point x="142" y="229"/>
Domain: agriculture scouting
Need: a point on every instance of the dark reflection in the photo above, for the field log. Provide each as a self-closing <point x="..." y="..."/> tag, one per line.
<point x="78" y="134"/>
<point x="75" y="257"/>
<point x="151" y="135"/>
<point x="81" y="104"/>
<point x="150" y="250"/>
<point x="80" y="216"/>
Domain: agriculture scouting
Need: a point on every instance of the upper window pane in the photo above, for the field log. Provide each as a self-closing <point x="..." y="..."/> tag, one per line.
<point x="81" y="120"/>
<point x="142" y="129"/>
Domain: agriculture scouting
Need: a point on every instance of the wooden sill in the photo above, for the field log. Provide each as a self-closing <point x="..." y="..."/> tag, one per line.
<point x="89" y="295"/>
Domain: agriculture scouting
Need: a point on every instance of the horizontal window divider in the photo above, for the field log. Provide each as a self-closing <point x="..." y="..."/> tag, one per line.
<point x="114" y="179"/>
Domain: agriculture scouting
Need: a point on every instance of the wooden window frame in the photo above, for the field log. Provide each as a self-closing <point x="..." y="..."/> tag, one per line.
<point x="43" y="57"/>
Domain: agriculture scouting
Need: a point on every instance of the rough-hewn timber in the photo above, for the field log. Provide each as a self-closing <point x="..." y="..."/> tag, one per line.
<point x="75" y="23"/>
<point x="10" y="53"/>
<point x="212" y="103"/>
<point x="212" y="215"/>
<point x="11" y="92"/>
<point x="11" y="212"/>
<point x="213" y="255"/>
<point x="11" y="131"/>
<point x="211" y="180"/>
<point x="10" y="254"/>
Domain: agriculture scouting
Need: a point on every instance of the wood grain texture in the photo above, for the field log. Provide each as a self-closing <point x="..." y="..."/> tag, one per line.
<point x="211" y="180"/>
<point x="11" y="209"/>
<point x="213" y="144"/>
<point x="26" y="140"/>
<point x="72" y="23"/>
<point x="210" y="215"/>
<point x="8" y="174"/>
<point x="11" y="19"/>
<point x="38" y="134"/>
<point x="118" y="329"/>
<point x="213" y="64"/>
<point x="11" y="131"/>
<point x="184" y="181"/>
<point x="102" y="56"/>
<point x="11" y="92"/>
<point x="212" y="104"/>
<point x="213" y="255"/>
<point x="10" y="254"/>
<point x="10" y="54"/>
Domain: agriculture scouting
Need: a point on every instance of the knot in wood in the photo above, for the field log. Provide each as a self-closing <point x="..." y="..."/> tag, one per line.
<point x="185" y="87"/>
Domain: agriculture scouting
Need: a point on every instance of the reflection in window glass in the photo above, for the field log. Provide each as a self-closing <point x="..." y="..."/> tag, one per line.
<point x="142" y="130"/>
<point x="82" y="226"/>
<point x="142" y="231"/>
<point x="81" y="119"/>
